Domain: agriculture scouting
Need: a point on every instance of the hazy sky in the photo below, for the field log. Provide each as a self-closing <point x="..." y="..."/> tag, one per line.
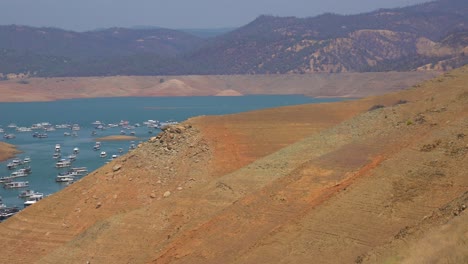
<point x="91" y="14"/>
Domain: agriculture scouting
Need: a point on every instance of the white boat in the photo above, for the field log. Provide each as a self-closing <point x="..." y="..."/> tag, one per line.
<point x="97" y="146"/>
<point x="26" y="160"/>
<point x="6" y="179"/>
<point x="19" y="173"/>
<point x="62" y="126"/>
<point x="71" y="157"/>
<point x="64" y="178"/>
<point x="2" y="205"/>
<point x="12" y="165"/>
<point x="78" y="171"/>
<point x="6" y="212"/>
<point x="63" y="163"/>
<point x="33" y="199"/>
<point x="9" y="136"/>
<point x="23" y="129"/>
<point x="56" y="155"/>
<point x="66" y="134"/>
<point x="76" y="150"/>
<point x="103" y="154"/>
<point x="26" y="193"/>
<point x="12" y="185"/>
<point x="57" y="148"/>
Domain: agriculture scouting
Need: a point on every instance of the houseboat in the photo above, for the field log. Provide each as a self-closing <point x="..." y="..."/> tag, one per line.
<point x="63" y="163"/>
<point x="33" y="199"/>
<point x="13" y="185"/>
<point x="26" y="193"/>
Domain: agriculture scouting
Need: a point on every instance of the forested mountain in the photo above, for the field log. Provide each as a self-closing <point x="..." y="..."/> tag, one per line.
<point x="424" y="37"/>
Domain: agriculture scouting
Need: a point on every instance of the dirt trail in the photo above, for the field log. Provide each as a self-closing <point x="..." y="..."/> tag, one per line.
<point x="331" y="183"/>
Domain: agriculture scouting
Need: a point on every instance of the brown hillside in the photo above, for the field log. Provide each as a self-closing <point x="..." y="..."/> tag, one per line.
<point x="328" y="183"/>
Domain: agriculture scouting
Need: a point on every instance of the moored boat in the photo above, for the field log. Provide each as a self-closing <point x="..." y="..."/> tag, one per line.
<point x="27" y="193"/>
<point x="9" y="136"/>
<point x="7" y="212"/>
<point x="64" y="178"/>
<point x="76" y="150"/>
<point x="33" y="199"/>
<point x="6" y="179"/>
<point x="63" y="163"/>
<point x="13" y="185"/>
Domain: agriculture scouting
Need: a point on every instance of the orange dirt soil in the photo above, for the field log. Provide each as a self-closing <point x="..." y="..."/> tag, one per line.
<point x="326" y="183"/>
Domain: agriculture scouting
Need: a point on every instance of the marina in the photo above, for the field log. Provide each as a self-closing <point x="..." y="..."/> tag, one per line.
<point x="55" y="160"/>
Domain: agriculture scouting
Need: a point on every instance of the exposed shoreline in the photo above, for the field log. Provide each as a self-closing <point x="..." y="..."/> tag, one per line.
<point x="117" y="138"/>
<point x="278" y="182"/>
<point x="352" y="85"/>
<point x="7" y="151"/>
<point x="355" y="85"/>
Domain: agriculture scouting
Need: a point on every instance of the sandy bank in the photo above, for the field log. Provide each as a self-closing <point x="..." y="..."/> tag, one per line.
<point x="7" y="151"/>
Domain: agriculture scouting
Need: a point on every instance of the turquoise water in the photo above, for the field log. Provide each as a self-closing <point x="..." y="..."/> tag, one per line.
<point x="107" y="110"/>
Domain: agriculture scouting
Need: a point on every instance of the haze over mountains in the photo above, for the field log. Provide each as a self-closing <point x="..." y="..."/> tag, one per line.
<point x="429" y="36"/>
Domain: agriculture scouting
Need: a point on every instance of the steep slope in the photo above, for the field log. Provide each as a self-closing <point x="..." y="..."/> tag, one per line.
<point x="324" y="183"/>
<point x="383" y="40"/>
<point x="398" y="39"/>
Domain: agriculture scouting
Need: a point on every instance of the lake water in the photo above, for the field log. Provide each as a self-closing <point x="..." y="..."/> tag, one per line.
<point x="107" y="110"/>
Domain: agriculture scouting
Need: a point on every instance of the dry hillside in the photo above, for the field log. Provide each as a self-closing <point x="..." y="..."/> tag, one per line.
<point x="327" y="183"/>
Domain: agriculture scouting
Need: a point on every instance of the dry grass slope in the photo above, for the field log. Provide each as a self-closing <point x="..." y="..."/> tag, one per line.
<point x="328" y="183"/>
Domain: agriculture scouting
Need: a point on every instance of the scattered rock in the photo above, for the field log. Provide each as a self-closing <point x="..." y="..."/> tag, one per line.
<point x="430" y="147"/>
<point x="153" y="195"/>
<point x="166" y="194"/>
<point x="116" y="167"/>
<point x="98" y="205"/>
<point x="420" y="119"/>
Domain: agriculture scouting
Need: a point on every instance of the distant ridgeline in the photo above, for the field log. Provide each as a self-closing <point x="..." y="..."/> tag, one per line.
<point x="429" y="36"/>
